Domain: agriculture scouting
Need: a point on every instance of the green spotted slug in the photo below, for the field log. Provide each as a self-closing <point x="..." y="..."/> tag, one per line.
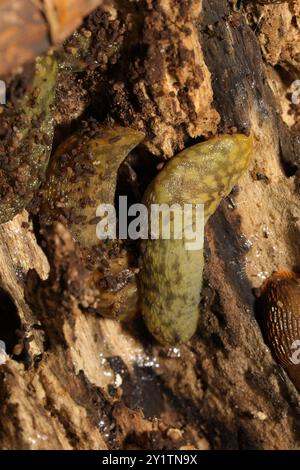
<point x="171" y="277"/>
<point x="26" y="150"/>
<point x="81" y="175"/>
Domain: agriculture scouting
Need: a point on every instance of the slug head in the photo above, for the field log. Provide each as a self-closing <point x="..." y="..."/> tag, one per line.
<point x="83" y="174"/>
<point x="203" y="173"/>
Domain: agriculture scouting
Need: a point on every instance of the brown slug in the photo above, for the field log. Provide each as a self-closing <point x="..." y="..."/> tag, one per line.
<point x="280" y="301"/>
<point x="280" y="309"/>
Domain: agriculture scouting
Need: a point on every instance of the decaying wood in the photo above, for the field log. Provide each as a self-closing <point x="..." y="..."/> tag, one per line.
<point x="28" y="28"/>
<point x="85" y="382"/>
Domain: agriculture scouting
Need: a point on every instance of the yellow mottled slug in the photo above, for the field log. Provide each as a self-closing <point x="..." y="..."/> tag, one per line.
<point x="25" y="156"/>
<point x="171" y="278"/>
<point x="83" y="174"/>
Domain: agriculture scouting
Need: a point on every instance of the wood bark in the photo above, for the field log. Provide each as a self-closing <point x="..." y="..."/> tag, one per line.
<point x="74" y="380"/>
<point x="28" y="28"/>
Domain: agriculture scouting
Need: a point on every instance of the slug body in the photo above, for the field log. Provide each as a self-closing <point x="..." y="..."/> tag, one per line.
<point x="83" y="174"/>
<point x="280" y="304"/>
<point x="30" y="148"/>
<point x="171" y="278"/>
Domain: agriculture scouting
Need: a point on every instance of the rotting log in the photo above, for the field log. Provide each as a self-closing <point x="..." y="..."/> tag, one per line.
<point x="84" y="382"/>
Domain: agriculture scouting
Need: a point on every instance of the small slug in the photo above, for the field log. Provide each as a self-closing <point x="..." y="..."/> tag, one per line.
<point x="83" y="174"/>
<point x="171" y="277"/>
<point x="80" y="53"/>
<point x="280" y="306"/>
<point x="26" y="151"/>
